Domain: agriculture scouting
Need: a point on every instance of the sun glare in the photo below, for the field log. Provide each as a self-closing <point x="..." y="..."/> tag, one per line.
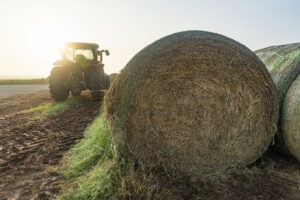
<point x="43" y="41"/>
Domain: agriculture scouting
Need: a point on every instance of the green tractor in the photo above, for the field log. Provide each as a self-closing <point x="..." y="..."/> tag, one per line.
<point x="79" y="69"/>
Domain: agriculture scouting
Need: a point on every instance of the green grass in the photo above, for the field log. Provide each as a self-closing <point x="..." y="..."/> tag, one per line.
<point x="94" y="169"/>
<point x="96" y="184"/>
<point x="95" y="147"/>
<point x="92" y="165"/>
<point x="23" y="81"/>
<point x="50" y="108"/>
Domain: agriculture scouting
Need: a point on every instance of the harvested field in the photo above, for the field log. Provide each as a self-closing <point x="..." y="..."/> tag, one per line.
<point x="38" y="81"/>
<point x="9" y="90"/>
<point x="194" y="104"/>
<point x="30" y="145"/>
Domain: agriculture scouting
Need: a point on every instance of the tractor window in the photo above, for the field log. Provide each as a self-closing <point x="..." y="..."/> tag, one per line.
<point x="87" y="53"/>
<point x="69" y="54"/>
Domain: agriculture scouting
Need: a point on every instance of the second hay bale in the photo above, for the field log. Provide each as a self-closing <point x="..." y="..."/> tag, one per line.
<point x="193" y="102"/>
<point x="283" y="63"/>
<point x="291" y="118"/>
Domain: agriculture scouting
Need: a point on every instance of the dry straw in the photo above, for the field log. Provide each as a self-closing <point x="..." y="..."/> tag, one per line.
<point x="193" y="103"/>
<point x="291" y="118"/>
<point x="112" y="77"/>
<point x="283" y="63"/>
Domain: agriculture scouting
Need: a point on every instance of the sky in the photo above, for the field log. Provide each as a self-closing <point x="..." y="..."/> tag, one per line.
<point x="32" y="31"/>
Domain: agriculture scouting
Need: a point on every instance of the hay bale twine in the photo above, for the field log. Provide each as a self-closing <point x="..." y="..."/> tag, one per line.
<point x="283" y="63"/>
<point x="291" y="118"/>
<point x="194" y="103"/>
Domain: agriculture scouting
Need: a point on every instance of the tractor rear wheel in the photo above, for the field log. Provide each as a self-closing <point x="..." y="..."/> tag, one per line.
<point x="57" y="83"/>
<point x="96" y="81"/>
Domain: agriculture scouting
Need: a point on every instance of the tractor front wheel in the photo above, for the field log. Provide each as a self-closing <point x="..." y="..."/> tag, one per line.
<point x="57" y="84"/>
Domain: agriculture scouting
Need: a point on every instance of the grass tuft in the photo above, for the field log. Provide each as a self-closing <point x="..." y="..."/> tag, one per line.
<point x="95" y="147"/>
<point x="95" y="184"/>
<point x="51" y="108"/>
<point x="96" y="171"/>
<point x="91" y="164"/>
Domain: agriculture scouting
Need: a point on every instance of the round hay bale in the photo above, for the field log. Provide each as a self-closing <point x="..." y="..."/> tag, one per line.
<point x="283" y="63"/>
<point x="291" y="118"/>
<point x="113" y="76"/>
<point x="193" y="103"/>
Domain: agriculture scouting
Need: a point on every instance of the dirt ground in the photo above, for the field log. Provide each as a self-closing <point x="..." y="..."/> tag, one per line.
<point x="28" y="148"/>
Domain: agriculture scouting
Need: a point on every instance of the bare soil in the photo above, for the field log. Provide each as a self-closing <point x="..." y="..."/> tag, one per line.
<point x="29" y="148"/>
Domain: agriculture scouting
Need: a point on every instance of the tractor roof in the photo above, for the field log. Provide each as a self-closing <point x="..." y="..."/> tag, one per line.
<point x="81" y="45"/>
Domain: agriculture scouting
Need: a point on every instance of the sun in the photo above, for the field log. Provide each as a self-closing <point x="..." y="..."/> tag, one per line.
<point x="43" y="39"/>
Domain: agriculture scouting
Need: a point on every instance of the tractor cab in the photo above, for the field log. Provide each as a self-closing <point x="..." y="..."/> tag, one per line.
<point x="83" y="53"/>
